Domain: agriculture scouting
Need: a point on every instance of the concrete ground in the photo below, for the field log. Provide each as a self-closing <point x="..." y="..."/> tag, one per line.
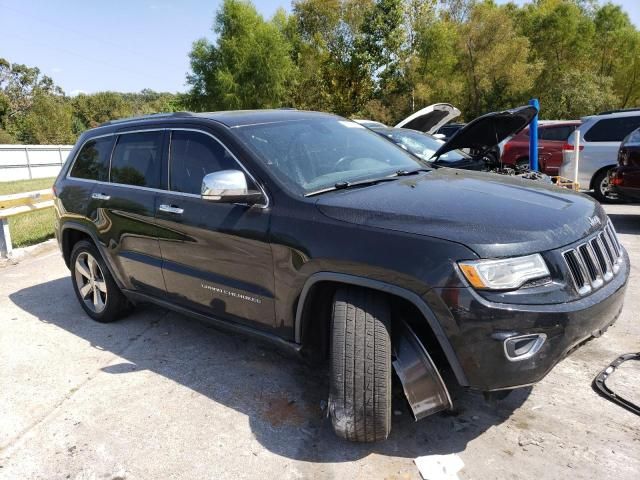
<point x="158" y="395"/>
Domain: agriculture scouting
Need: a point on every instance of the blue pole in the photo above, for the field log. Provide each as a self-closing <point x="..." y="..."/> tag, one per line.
<point x="533" y="137"/>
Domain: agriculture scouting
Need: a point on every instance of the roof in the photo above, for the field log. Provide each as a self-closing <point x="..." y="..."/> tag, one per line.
<point x="232" y="118"/>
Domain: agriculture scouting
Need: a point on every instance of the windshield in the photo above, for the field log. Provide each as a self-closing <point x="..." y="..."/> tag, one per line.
<point x="422" y="145"/>
<point x="318" y="153"/>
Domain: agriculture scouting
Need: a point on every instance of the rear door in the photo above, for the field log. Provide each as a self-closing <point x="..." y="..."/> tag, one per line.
<point x="551" y="140"/>
<point x="216" y="256"/>
<point x="123" y="209"/>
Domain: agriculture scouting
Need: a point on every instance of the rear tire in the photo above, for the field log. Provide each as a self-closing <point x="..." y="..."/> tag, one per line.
<point x="94" y="286"/>
<point x="360" y="384"/>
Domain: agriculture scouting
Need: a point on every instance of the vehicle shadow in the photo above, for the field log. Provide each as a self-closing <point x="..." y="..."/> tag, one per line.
<point x="283" y="398"/>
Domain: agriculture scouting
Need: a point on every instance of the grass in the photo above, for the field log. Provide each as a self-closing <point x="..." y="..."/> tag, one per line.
<point x="19" y="186"/>
<point x="33" y="227"/>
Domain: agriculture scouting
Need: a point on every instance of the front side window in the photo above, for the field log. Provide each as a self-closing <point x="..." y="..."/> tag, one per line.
<point x="92" y="163"/>
<point x="137" y="159"/>
<point x="192" y="156"/>
<point x="612" y="129"/>
<point x="317" y="153"/>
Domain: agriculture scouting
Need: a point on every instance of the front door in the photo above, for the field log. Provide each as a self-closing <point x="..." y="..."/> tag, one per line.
<point x="216" y="257"/>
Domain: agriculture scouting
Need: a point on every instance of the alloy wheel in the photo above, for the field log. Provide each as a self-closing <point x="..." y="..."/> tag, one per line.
<point x="605" y="189"/>
<point x="90" y="282"/>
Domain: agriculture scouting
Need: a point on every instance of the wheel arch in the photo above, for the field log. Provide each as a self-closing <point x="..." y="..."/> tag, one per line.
<point x="592" y="182"/>
<point x="73" y="232"/>
<point x="311" y="299"/>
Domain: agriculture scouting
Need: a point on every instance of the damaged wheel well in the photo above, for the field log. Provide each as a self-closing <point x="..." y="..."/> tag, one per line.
<point x="313" y="322"/>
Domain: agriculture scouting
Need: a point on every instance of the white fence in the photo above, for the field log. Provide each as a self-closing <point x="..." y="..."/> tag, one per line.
<point x="21" y="162"/>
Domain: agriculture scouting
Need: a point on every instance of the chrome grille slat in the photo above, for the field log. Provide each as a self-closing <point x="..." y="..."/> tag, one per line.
<point x="594" y="262"/>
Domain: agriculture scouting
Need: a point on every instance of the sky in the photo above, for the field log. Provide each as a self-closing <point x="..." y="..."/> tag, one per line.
<point x="122" y="45"/>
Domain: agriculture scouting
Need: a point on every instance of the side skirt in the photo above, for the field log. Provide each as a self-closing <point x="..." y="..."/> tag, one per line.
<point x="289" y="347"/>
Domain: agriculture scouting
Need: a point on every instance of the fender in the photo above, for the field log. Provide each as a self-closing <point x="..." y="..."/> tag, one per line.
<point x="84" y="229"/>
<point x="408" y="295"/>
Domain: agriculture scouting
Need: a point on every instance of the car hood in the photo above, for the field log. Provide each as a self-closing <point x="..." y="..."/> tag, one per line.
<point x="489" y="130"/>
<point x="494" y="215"/>
<point x="431" y="118"/>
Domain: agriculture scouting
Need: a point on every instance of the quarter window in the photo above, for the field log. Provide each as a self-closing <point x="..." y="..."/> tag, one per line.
<point x="612" y="129"/>
<point x="137" y="159"/>
<point x="192" y="156"/>
<point x="92" y="163"/>
<point x="558" y="134"/>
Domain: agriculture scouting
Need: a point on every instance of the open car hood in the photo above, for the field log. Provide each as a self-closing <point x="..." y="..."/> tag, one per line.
<point x="431" y="118"/>
<point x="489" y="130"/>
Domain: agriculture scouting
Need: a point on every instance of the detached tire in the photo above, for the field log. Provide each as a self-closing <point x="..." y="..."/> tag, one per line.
<point x="360" y="384"/>
<point x="94" y="286"/>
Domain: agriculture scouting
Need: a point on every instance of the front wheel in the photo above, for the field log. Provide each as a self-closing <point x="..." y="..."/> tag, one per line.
<point x="360" y="384"/>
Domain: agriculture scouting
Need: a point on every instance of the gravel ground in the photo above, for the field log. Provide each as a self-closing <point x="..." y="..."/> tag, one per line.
<point x="158" y="395"/>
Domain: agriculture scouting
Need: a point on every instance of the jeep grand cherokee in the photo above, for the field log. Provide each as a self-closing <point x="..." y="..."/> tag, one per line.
<point x="311" y="231"/>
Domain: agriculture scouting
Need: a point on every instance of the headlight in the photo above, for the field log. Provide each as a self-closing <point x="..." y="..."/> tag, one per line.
<point x="504" y="274"/>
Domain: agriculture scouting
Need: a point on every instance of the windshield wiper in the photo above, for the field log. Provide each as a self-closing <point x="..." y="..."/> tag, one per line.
<point x="346" y="185"/>
<point x="404" y="173"/>
<point x="366" y="183"/>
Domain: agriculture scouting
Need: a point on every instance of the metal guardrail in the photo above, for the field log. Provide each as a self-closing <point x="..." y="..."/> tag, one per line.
<point x="16" y="204"/>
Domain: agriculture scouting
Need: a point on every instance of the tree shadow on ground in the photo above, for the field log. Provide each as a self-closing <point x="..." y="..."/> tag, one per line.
<point x="283" y="398"/>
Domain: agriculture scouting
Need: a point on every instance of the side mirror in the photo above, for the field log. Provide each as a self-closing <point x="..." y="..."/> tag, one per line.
<point x="229" y="186"/>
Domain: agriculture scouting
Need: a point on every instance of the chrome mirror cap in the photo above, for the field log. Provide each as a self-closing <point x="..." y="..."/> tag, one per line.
<point x="228" y="186"/>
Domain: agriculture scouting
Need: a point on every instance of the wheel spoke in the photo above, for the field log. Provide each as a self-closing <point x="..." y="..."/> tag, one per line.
<point x="82" y="269"/>
<point x="97" y="300"/>
<point x="92" y="266"/>
<point x="101" y="285"/>
<point x="85" y="290"/>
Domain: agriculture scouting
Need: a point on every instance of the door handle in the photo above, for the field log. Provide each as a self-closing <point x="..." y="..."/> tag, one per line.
<point x="171" y="209"/>
<point x="540" y="148"/>
<point x="100" y="196"/>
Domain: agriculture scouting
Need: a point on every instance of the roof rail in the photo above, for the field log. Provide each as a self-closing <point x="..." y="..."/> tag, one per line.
<point x="151" y="116"/>
<point x="620" y="110"/>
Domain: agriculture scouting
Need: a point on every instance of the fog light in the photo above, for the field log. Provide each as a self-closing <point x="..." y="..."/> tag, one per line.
<point x="523" y="346"/>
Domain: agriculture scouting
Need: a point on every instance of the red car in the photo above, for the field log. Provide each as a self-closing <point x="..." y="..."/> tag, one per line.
<point x="551" y="137"/>
<point x="625" y="180"/>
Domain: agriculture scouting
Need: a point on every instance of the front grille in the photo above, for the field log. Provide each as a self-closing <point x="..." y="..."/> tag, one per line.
<point x="594" y="262"/>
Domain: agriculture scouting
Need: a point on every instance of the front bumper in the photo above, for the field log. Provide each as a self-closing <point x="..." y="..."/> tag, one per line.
<point x="482" y="327"/>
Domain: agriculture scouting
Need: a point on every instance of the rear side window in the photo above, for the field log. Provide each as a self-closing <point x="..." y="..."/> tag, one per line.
<point x="92" y="163"/>
<point x="558" y="134"/>
<point x="137" y="159"/>
<point x="192" y="156"/>
<point x="612" y="129"/>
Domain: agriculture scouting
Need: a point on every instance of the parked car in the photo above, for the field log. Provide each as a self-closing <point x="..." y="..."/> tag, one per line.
<point x="600" y="137"/>
<point x="551" y="138"/>
<point x="369" y="123"/>
<point x="428" y="119"/>
<point x="625" y="179"/>
<point x="447" y="131"/>
<point x="310" y="231"/>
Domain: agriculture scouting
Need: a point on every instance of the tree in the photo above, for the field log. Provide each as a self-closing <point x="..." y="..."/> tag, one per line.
<point x="48" y="121"/>
<point x="248" y="67"/>
<point x="493" y="59"/>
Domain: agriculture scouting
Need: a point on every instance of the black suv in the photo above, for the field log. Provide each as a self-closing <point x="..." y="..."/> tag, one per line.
<point x="311" y="231"/>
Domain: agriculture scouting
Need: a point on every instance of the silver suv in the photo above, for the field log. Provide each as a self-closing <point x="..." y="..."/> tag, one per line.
<point x="600" y="137"/>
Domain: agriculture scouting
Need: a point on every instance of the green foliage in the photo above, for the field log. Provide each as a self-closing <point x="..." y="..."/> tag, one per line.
<point x="34" y="110"/>
<point x="380" y="59"/>
<point x="248" y="67"/>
